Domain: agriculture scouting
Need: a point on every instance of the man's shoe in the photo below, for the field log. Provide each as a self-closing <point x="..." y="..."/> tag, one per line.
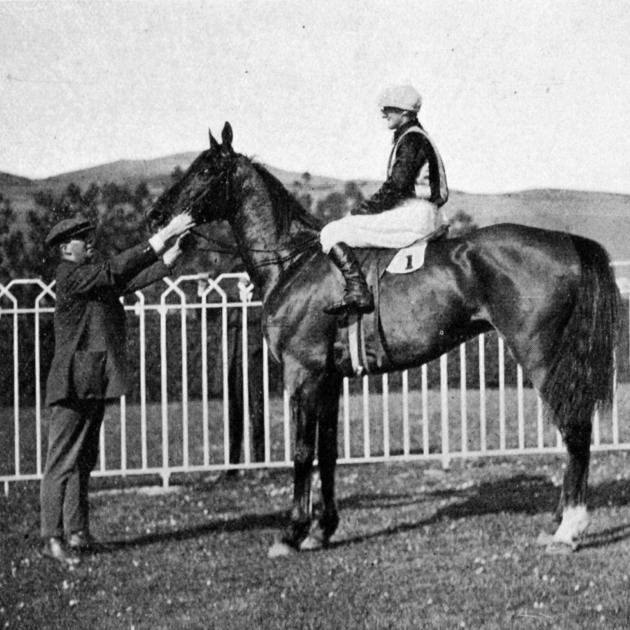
<point x="54" y="549"/>
<point x="83" y="542"/>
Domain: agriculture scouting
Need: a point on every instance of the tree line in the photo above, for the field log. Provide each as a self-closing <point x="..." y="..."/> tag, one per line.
<point x="117" y="211"/>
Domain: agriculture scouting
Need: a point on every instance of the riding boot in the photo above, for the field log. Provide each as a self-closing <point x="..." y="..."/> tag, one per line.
<point x="357" y="295"/>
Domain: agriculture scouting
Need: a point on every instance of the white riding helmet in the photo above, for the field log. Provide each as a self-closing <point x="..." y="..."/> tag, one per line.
<point x="401" y="97"/>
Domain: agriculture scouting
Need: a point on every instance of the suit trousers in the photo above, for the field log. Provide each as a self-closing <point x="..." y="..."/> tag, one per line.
<point x="73" y="439"/>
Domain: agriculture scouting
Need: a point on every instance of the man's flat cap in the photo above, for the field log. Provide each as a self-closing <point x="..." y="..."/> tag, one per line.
<point x="68" y="229"/>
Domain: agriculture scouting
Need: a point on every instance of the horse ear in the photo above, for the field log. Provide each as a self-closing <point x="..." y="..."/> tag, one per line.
<point x="227" y="136"/>
<point x="213" y="143"/>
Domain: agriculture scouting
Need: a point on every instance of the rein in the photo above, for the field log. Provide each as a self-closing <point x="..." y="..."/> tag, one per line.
<point x="222" y="247"/>
<point x="227" y="248"/>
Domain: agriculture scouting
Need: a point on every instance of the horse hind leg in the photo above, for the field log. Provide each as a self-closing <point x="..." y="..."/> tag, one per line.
<point x="571" y="512"/>
<point x="572" y="506"/>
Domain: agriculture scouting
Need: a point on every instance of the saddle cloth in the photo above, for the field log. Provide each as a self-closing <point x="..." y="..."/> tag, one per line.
<point x="360" y="347"/>
<point x="409" y="258"/>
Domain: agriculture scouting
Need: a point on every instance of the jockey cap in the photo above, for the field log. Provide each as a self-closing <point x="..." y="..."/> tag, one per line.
<point x="403" y="97"/>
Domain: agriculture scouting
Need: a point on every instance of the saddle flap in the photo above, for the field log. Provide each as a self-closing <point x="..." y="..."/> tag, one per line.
<point x="362" y="342"/>
<point x="360" y="348"/>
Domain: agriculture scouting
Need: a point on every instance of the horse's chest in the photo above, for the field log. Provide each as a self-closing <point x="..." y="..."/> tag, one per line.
<point x="299" y="333"/>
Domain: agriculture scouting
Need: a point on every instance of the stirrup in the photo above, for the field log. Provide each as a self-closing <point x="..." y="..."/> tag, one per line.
<point x="340" y="308"/>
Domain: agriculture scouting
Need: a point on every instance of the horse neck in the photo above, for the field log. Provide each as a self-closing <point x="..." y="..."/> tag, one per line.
<point x="263" y="248"/>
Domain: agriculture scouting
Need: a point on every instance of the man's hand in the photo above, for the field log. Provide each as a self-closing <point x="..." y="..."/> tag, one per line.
<point x="178" y="225"/>
<point x="171" y="255"/>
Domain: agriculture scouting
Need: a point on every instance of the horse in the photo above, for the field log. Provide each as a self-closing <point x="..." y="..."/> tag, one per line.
<point x="550" y="295"/>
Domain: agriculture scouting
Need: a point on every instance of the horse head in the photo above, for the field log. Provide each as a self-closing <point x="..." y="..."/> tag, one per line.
<point x="204" y="189"/>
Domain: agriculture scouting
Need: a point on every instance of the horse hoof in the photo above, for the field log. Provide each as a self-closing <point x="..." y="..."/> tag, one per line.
<point x="280" y="549"/>
<point x="556" y="548"/>
<point x="544" y="539"/>
<point x="311" y="543"/>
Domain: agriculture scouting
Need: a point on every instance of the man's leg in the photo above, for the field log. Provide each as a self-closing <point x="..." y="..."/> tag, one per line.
<point x="61" y="466"/>
<point x="76" y="505"/>
<point x="60" y="472"/>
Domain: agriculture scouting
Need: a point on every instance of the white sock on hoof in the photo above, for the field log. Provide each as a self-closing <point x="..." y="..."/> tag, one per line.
<point x="574" y="521"/>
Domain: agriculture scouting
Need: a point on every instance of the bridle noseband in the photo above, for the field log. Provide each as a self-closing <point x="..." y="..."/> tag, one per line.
<point x="223" y="179"/>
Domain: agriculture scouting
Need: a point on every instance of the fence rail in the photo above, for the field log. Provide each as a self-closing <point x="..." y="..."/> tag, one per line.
<point x="204" y="386"/>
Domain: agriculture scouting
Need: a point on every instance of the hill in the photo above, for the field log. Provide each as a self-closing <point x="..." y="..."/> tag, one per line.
<point x="8" y="181"/>
<point x="604" y="217"/>
<point x="156" y="172"/>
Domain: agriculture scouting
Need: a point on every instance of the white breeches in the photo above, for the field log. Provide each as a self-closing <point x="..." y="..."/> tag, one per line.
<point x="395" y="228"/>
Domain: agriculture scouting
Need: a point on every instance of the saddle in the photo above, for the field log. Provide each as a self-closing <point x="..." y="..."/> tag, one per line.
<point x="360" y="347"/>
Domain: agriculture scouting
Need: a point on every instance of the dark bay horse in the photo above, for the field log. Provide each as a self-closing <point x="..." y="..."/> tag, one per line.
<point x="550" y="295"/>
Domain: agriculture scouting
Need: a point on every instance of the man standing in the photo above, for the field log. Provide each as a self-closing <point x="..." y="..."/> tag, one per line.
<point x="88" y="367"/>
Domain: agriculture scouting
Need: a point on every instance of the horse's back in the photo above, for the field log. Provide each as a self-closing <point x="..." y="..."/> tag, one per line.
<point x="506" y="276"/>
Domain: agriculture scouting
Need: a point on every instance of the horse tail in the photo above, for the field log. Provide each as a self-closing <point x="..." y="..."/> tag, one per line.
<point x="581" y="376"/>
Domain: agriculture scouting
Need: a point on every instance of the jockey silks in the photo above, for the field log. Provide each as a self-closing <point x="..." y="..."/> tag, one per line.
<point x="431" y="181"/>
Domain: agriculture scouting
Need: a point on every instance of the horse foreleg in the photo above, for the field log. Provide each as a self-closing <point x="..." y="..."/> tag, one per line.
<point x="235" y="397"/>
<point x="256" y="404"/>
<point x="304" y="415"/>
<point x="327" y="523"/>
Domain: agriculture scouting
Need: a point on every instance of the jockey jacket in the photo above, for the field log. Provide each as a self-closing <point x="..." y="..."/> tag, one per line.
<point x="415" y="168"/>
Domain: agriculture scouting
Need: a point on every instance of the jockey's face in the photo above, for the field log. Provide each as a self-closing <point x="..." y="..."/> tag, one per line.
<point x="394" y="116"/>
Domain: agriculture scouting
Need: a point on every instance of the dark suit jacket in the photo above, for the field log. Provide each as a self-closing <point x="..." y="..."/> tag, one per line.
<point x="90" y="330"/>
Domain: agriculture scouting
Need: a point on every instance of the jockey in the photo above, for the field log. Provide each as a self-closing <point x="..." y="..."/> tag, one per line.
<point x="404" y="209"/>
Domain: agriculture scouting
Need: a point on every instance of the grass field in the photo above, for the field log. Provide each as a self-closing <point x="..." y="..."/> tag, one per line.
<point x="417" y="547"/>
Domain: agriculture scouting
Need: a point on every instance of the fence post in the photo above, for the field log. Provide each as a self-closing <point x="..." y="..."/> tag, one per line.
<point x="446" y="460"/>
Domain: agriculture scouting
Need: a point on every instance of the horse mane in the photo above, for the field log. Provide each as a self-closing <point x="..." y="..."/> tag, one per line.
<point x="287" y="209"/>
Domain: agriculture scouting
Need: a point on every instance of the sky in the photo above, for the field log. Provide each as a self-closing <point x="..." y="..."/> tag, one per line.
<point x="516" y="94"/>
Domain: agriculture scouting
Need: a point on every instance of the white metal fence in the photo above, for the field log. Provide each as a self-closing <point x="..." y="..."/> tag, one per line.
<point x="182" y="337"/>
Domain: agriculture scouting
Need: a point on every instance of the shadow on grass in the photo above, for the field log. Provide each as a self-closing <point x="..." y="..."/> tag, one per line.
<point x="247" y="522"/>
<point x="605" y="537"/>
<point x="380" y="500"/>
<point x="521" y="494"/>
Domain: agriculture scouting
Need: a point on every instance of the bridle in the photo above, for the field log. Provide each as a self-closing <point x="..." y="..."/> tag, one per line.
<point x="223" y="247"/>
